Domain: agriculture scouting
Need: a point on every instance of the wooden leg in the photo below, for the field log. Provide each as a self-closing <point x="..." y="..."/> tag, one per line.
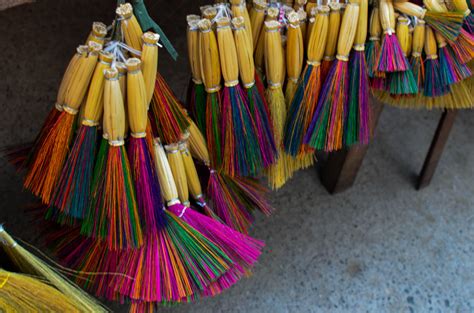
<point x="340" y="170"/>
<point x="436" y="149"/>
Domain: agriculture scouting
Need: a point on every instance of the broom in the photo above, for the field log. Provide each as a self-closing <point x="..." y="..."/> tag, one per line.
<point x="112" y="214"/>
<point x="31" y="264"/>
<point x="372" y="51"/>
<point x="294" y="55"/>
<point x="446" y="23"/>
<point x="257" y="17"/>
<point x="304" y="103"/>
<point x="357" y="117"/>
<point x="52" y="146"/>
<point x="451" y="69"/>
<point x="416" y="61"/>
<point x="233" y="198"/>
<point x="241" y="151"/>
<point x="257" y="103"/>
<point x="333" y="34"/>
<point x="73" y="189"/>
<point x="239" y="9"/>
<point x="326" y="129"/>
<point x="390" y="58"/>
<point x="141" y="161"/>
<point x="435" y="84"/>
<point x="243" y="250"/>
<point x="196" y="99"/>
<point x="211" y="74"/>
<point x="281" y="171"/>
<point x="22" y="293"/>
<point x="402" y="83"/>
<point x="259" y="53"/>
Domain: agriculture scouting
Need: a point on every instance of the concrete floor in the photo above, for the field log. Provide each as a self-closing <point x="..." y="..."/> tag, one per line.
<point x="379" y="247"/>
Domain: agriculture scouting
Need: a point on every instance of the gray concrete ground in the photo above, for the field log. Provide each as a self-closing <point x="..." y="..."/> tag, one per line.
<point x="380" y="247"/>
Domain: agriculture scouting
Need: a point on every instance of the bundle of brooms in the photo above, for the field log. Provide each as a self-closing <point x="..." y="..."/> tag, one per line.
<point x="99" y="167"/>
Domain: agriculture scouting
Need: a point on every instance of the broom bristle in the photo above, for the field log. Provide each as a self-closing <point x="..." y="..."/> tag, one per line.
<point x="326" y="65"/>
<point x="146" y="185"/>
<point x="197" y="104"/>
<point x="73" y="189"/>
<point x="357" y="129"/>
<point x="49" y="157"/>
<point x="463" y="46"/>
<point x="112" y="213"/>
<point x="213" y="128"/>
<point x="391" y="57"/>
<point x="240" y="137"/>
<point x="326" y="128"/>
<point x="434" y="84"/>
<point x="451" y="68"/>
<point x="301" y="110"/>
<point x="447" y="24"/>
<point x="17" y="155"/>
<point x="418" y="70"/>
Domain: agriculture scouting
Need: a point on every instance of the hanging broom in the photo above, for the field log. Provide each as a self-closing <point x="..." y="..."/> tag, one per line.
<point x="294" y="55"/>
<point x="402" y="83"/>
<point x="281" y="171"/>
<point x="304" y="103"/>
<point x="390" y="58"/>
<point x="333" y="34"/>
<point x="435" y="85"/>
<point x="32" y="265"/>
<point x="257" y="103"/>
<point x="112" y="214"/>
<point x="73" y="189"/>
<point x="241" y="151"/>
<point x="243" y="250"/>
<point x="326" y="129"/>
<point x="357" y="118"/>
<point x="446" y="23"/>
<point x="257" y="17"/>
<point x="52" y="146"/>
<point x="372" y="51"/>
<point x="259" y="54"/>
<point x="211" y="74"/>
<point x="233" y="198"/>
<point x="141" y="161"/>
<point x="196" y="99"/>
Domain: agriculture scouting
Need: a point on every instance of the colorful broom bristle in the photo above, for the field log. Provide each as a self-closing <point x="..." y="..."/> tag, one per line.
<point x="435" y="85"/>
<point x="416" y="60"/>
<point x="463" y="46"/>
<point x="331" y="44"/>
<point x="451" y="69"/>
<point x="377" y="79"/>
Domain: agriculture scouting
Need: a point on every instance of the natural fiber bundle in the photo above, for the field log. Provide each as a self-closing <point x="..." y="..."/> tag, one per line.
<point x="197" y="144"/>
<point x="196" y="98"/>
<point x="327" y="126"/>
<point x="416" y="61"/>
<point x="98" y="33"/>
<point x="402" y="83"/>
<point x="259" y="54"/>
<point x="139" y="154"/>
<point x="241" y="151"/>
<point x="149" y="60"/>
<point x="304" y="103"/>
<point x="391" y="58"/>
<point x="333" y="35"/>
<point x="303" y="20"/>
<point x="112" y="214"/>
<point x="280" y="172"/>
<point x="257" y="103"/>
<point x="435" y="85"/>
<point x="357" y="117"/>
<point x="257" y="17"/>
<point x="73" y="189"/>
<point x="178" y="170"/>
<point x="452" y="70"/>
<point x="239" y="9"/>
<point x="446" y="23"/>
<point x="211" y="75"/>
<point x="168" y="117"/>
<point x="298" y="4"/>
<point x="294" y="55"/>
<point x="22" y="293"/>
<point x="309" y="27"/>
<point x="52" y="146"/>
<point x="130" y="27"/>
<point x="32" y="265"/>
<point x="310" y="5"/>
<point x="372" y="51"/>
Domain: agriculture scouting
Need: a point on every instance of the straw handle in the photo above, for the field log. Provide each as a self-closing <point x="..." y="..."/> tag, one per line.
<point x="114" y="111"/>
